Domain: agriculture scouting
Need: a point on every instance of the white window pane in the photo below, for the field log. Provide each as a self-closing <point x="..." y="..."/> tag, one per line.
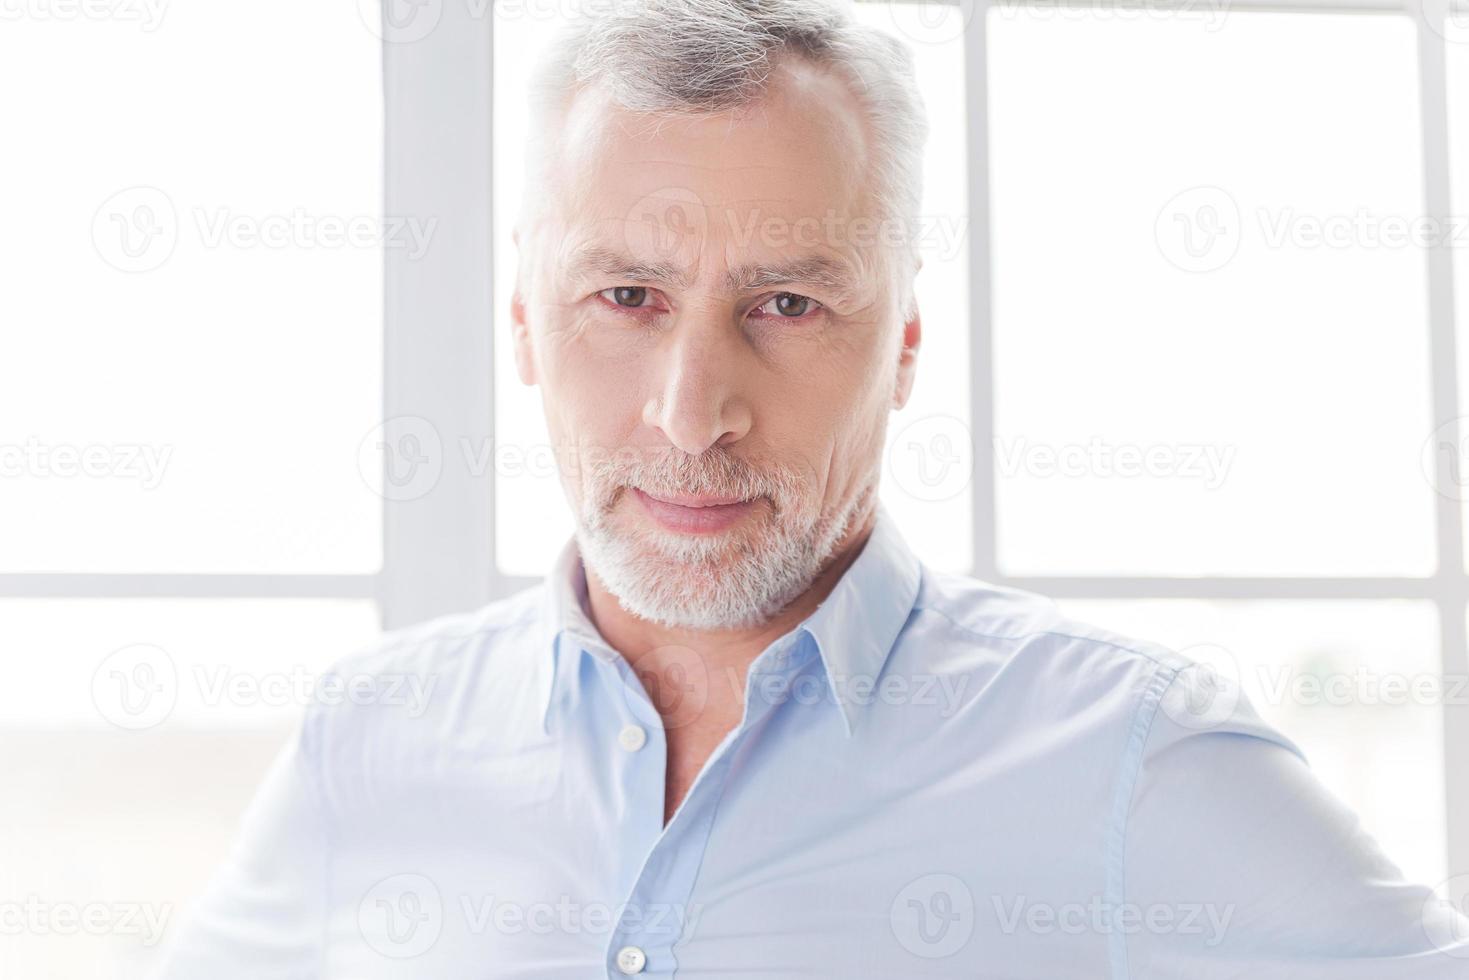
<point x="1211" y="334"/>
<point x="925" y="475"/>
<point x="170" y="665"/>
<point x="1357" y="685"/>
<point x="191" y="321"/>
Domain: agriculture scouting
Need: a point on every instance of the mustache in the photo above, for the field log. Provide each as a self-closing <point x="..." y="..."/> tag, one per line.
<point x="715" y="472"/>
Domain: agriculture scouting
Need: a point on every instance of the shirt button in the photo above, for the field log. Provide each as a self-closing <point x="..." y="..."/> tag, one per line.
<point x="630" y="959"/>
<point x="632" y="738"/>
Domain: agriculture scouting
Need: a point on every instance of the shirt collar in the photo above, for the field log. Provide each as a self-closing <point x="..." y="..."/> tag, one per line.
<point x="854" y="628"/>
<point x="857" y="625"/>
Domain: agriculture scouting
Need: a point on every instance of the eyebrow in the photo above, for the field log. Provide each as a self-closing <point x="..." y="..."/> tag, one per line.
<point x="817" y="270"/>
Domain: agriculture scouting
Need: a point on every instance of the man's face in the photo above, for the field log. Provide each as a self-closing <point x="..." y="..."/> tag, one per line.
<point x="710" y="313"/>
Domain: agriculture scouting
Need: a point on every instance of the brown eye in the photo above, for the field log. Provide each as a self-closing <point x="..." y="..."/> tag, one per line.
<point x="789" y="305"/>
<point x="630" y="296"/>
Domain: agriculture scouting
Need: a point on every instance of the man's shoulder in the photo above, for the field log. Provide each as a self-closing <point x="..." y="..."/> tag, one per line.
<point x="444" y="639"/>
<point x="1032" y="664"/>
<point x="1000" y="627"/>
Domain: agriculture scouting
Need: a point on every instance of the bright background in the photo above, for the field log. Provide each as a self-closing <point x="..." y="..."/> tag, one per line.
<point x="1118" y="205"/>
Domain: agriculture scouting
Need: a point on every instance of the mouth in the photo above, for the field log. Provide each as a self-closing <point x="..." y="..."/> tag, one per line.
<point x="693" y="514"/>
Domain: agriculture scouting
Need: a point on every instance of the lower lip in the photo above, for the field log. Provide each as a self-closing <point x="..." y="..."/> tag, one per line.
<point x="693" y="520"/>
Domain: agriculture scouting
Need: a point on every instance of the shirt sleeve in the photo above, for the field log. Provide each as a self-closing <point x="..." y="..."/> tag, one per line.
<point x="1236" y="862"/>
<point x="261" y="916"/>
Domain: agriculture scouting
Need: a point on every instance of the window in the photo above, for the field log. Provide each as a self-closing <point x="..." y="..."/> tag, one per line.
<point x="1234" y="379"/>
<point x="191" y="345"/>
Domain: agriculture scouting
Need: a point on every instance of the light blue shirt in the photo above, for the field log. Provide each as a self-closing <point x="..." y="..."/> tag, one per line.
<point x="933" y="777"/>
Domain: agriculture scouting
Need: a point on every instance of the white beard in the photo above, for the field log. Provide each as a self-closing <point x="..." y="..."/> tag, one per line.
<point x="737" y="579"/>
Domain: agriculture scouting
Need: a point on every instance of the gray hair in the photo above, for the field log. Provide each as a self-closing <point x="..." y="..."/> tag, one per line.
<point x="700" y="57"/>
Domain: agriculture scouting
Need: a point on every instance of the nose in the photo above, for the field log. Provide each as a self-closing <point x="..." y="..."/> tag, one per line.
<point x="699" y="397"/>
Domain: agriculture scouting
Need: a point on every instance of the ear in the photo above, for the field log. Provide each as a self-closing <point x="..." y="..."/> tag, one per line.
<point x="908" y="358"/>
<point x="525" y="360"/>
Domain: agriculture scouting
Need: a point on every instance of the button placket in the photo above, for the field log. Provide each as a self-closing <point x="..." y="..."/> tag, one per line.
<point x="665" y="883"/>
<point x="659" y="897"/>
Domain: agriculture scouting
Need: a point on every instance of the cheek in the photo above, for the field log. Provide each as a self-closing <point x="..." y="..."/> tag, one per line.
<point x="594" y="392"/>
<point x="810" y="430"/>
<point x="845" y="412"/>
<point x="842" y="387"/>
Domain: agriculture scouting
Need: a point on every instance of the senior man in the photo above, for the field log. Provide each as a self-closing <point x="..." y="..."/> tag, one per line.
<point x="741" y="730"/>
